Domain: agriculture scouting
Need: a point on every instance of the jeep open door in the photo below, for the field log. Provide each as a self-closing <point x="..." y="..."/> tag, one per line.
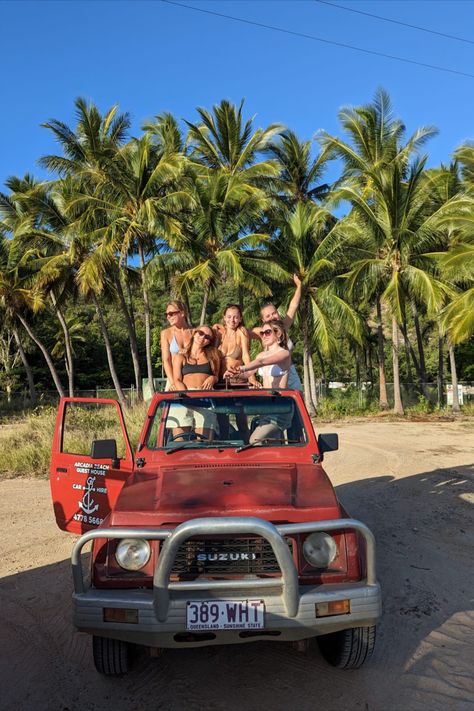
<point x="91" y="460"/>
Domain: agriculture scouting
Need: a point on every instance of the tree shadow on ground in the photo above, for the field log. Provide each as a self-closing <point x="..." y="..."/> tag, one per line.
<point x="424" y="651"/>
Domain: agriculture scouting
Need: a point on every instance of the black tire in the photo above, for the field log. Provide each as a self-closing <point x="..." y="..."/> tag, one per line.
<point x="348" y="649"/>
<point x="111" y="656"/>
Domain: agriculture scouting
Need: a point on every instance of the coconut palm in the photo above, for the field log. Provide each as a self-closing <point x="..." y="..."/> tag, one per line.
<point x="300" y="172"/>
<point x="385" y="186"/>
<point x="223" y="140"/>
<point x="306" y="245"/>
<point x="88" y="162"/>
<point x="38" y="226"/>
<point x="18" y="300"/>
<point x="133" y="209"/>
<point x="217" y="243"/>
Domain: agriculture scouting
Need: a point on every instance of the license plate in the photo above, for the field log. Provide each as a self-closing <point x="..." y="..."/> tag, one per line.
<point x="225" y="615"/>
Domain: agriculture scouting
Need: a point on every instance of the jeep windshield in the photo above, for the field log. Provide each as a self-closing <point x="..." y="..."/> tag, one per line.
<point x="226" y="421"/>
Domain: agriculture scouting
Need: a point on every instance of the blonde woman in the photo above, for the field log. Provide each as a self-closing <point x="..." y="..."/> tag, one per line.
<point x="175" y="338"/>
<point x="273" y="365"/>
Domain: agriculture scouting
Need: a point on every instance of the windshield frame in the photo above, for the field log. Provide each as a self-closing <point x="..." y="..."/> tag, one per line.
<point x="164" y="400"/>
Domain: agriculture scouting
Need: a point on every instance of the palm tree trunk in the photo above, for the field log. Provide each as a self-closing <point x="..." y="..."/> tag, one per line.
<point x="146" y="310"/>
<point x="370" y="366"/>
<point x="132" y="337"/>
<point x="307" y="384"/>
<point x="27" y="367"/>
<point x="67" y="345"/>
<point x="383" y="399"/>
<point x="407" y="351"/>
<point x="241" y="297"/>
<point x="130" y="301"/>
<point x="398" y="405"/>
<point x="440" y="376"/>
<point x="419" y="342"/>
<point x="44" y="351"/>
<point x="110" y="357"/>
<point x="312" y="384"/>
<point x="454" y="379"/>
<point x="322" y="366"/>
<point x="205" y="302"/>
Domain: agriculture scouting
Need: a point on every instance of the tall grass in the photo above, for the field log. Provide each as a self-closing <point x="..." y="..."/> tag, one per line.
<point x="25" y="445"/>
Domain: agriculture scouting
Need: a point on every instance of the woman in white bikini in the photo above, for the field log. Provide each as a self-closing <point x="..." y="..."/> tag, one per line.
<point x="175" y="338"/>
<point x="269" y="313"/>
<point x="273" y="365"/>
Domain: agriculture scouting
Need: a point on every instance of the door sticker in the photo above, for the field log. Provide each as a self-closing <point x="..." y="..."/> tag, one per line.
<point x="88" y="503"/>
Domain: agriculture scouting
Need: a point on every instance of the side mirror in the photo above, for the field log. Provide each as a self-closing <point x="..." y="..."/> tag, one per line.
<point x="105" y="449"/>
<point x="328" y="443"/>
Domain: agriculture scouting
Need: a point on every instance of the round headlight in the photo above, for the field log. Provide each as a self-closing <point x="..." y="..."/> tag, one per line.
<point x="319" y="549"/>
<point x="132" y="553"/>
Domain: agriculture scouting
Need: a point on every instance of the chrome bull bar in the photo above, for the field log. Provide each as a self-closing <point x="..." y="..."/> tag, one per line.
<point x="175" y="537"/>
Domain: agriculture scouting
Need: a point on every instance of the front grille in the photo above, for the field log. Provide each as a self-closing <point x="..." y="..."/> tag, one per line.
<point x="226" y="556"/>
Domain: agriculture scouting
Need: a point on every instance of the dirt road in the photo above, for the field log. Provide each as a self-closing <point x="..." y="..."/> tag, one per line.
<point x="412" y="483"/>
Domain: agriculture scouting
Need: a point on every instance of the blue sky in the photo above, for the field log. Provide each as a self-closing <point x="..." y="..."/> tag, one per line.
<point x="151" y="57"/>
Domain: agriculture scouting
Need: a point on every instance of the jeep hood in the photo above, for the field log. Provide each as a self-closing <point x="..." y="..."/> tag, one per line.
<point x="286" y="492"/>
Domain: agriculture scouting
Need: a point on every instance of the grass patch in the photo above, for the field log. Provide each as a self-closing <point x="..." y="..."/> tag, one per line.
<point x="25" y="444"/>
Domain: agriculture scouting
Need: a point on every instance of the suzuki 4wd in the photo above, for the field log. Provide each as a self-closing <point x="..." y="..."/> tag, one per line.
<point x="212" y="533"/>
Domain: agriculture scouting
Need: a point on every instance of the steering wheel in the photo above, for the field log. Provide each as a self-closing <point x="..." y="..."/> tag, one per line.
<point x="187" y="437"/>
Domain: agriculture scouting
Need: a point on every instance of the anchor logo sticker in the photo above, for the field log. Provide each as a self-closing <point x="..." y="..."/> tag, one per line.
<point x="87" y="503"/>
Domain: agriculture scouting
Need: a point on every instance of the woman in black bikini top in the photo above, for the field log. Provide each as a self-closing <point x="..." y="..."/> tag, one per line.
<point x="199" y="366"/>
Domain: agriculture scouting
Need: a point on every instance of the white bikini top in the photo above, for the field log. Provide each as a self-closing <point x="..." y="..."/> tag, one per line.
<point x="273" y="370"/>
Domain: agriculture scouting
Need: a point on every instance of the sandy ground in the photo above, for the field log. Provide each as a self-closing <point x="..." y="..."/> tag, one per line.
<point x="412" y="483"/>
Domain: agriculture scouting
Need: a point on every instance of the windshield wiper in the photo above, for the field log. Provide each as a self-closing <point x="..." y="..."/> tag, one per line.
<point x="266" y="439"/>
<point x="197" y="445"/>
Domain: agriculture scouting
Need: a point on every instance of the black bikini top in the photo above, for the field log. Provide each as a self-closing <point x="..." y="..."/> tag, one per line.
<point x="204" y="368"/>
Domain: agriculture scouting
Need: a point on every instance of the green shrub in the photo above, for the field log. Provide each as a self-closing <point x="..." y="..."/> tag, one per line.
<point x="423" y="406"/>
<point x="343" y="403"/>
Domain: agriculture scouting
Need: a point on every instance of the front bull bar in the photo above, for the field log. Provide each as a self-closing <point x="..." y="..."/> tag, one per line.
<point x="175" y="537"/>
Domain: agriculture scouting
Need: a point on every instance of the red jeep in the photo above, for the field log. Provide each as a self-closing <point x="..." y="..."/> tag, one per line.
<point x="211" y="534"/>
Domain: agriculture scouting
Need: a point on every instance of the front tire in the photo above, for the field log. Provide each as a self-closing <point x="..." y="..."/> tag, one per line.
<point x="111" y="656"/>
<point x="348" y="649"/>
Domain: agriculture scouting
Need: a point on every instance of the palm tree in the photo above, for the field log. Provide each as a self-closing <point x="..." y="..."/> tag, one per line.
<point x="222" y="140"/>
<point x="17" y="300"/>
<point x="216" y="245"/>
<point x="300" y="172"/>
<point x="89" y="163"/>
<point x="38" y="226"/>
<point x="306" y="244"/>
<point x="134" y="209"/>
<point x="389" y="197"/>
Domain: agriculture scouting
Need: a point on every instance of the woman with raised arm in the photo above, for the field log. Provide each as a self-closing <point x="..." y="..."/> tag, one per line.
<point x="268" y="313"/>
<point x="233" y="340"/>
<point x="175" y="338"/>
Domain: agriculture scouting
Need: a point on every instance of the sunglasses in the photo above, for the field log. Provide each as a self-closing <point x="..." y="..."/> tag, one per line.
<point x="205" y="335"/>
<point x="266" y="332"/>
<point x="169" y="314"/>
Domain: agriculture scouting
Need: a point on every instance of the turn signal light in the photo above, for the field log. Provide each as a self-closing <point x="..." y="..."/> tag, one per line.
<point x="120" y="614"/>
<point x="334" y="607"/>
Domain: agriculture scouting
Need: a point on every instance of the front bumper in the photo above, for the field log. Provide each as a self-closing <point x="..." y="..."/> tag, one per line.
<point x="290" y="609"/>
